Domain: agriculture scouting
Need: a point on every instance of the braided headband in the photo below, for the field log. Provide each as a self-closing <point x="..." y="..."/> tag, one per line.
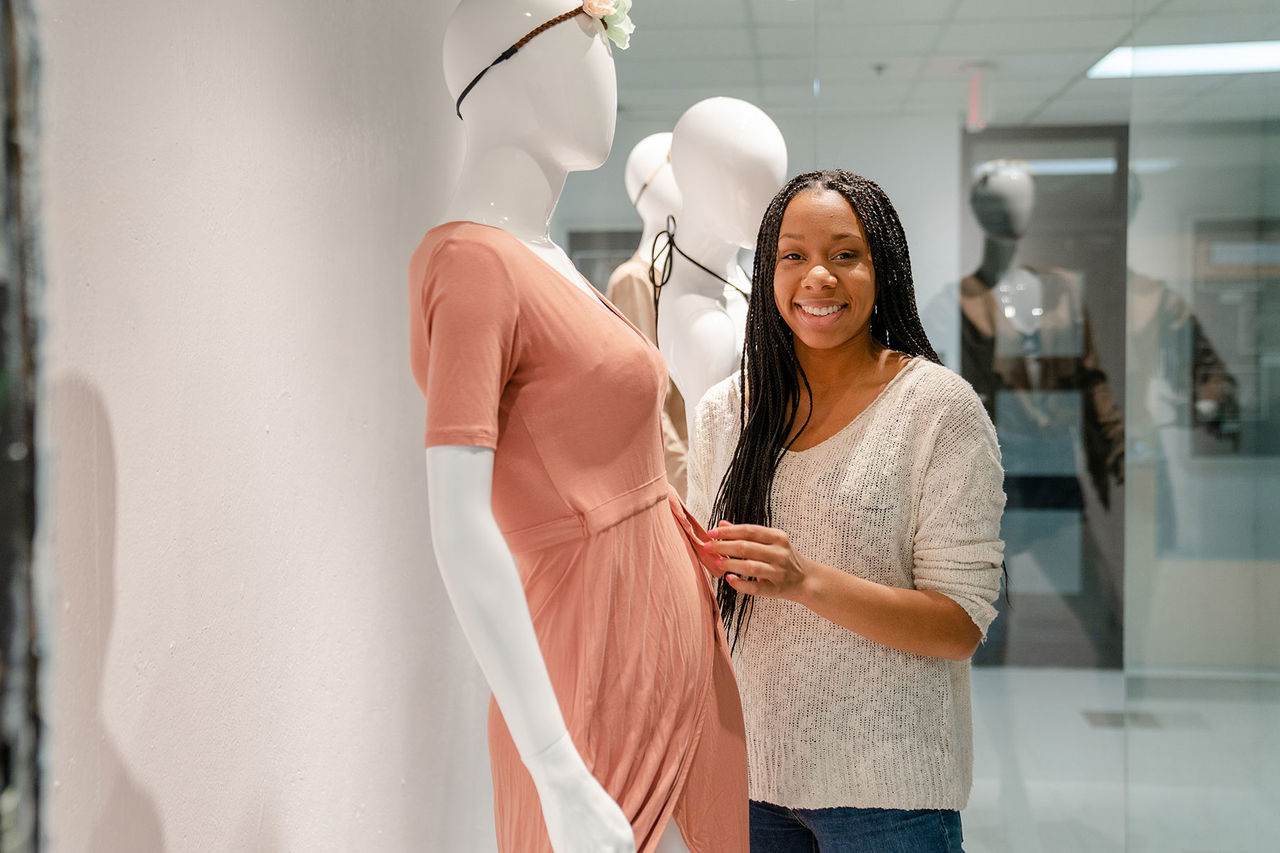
<point x="611" y="13"/>
<point x="652" y="175"/>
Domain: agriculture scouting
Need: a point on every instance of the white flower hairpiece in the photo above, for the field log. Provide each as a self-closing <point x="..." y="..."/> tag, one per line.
<point x="614" y="14"/>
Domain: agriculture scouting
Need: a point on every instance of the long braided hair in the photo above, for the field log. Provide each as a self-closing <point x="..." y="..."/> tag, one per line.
<point x="771" y="372"/>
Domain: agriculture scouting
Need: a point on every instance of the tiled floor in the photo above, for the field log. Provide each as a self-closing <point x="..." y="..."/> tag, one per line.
<point x="1079" y="761"/>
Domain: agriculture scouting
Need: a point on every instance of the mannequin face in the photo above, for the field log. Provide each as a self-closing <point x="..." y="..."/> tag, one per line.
<point x="570" y="83"/>
<point x="650" y="162"/>
<point x="729" y="159"/>
<point x="824" y="263"/>
<point x="556" y="98"/>
<point x="1002" y="200"/>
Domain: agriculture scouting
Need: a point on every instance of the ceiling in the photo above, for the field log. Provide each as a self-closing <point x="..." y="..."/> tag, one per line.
<point x="917" y="57"/>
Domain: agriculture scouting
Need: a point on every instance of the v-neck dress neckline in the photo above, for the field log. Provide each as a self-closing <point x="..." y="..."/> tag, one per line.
<point x="595" y="296"/>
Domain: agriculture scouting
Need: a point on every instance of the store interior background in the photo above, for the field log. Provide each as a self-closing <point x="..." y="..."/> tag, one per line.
<point x="249" y="647"/>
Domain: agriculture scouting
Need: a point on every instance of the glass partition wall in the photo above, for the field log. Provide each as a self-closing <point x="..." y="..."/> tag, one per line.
<point x="1202" y="534"/>
<point x="1128" y="698"/>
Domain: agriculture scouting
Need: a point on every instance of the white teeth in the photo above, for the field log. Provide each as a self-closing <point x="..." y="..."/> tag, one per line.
<point x="821" y="312"/>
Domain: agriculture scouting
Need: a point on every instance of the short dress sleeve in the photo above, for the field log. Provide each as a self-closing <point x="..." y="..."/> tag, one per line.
<point x="957" y="546"/>
<point x="464" y="340"/>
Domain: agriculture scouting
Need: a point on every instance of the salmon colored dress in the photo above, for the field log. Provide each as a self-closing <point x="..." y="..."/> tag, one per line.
<point x="569" y="395"/>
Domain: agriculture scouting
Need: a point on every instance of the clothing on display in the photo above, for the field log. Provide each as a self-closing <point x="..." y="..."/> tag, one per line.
<point x="996" y="357"/>
<point x="910" y="497"/>
<point x="631" y="292"/>
<point x="512" y="356"/>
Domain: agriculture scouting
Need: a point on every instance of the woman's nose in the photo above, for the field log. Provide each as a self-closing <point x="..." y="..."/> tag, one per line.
<point x="818" y="276"/>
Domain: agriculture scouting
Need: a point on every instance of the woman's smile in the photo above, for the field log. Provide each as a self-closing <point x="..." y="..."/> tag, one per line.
<point x="824" y="282"/>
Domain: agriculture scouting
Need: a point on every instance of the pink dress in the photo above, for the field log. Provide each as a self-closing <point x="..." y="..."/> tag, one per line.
<point x="513" y="357"/>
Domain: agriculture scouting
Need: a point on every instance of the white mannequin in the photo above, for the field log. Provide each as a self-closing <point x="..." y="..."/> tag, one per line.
<point x="649" y="168"/>
<point x="729" y="160"/>
<point x="530" y="121"/>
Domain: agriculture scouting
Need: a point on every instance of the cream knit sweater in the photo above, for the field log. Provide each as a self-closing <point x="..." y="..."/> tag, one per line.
<point x="907" y="494"/>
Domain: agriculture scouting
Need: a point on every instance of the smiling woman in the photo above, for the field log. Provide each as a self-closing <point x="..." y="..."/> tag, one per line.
<point x="856" y="485"/>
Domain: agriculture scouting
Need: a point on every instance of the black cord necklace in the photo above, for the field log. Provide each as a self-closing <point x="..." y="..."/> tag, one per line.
<point x="664" y="255"/>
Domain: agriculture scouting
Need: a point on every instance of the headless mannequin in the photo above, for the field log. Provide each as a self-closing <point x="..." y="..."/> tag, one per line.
<point x="531" y="121"/>
<point x="729" y="159"/>
<point x="651" y="186"/>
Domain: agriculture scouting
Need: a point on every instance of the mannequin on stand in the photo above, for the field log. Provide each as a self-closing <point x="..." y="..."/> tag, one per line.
<point x="1027" y="349"/>
<point x="572" y="568"/>
<point x="729" y="159"/>
<point x="1025" y="331"/>
<point x="652" y="189"/>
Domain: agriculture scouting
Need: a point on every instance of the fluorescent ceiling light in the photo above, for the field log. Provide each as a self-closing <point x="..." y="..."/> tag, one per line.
<point x="1172" y="60"/>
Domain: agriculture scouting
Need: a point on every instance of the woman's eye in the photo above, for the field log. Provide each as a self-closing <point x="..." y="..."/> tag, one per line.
<point x="790" y="256"/>
<point x="846" y="256"/>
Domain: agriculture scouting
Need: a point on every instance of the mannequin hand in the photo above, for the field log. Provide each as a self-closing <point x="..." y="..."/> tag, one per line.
<point x="580" y="815"/>
<point x="758" y="560"/>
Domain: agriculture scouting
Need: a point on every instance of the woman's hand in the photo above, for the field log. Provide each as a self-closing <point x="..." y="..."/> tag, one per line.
<point x="758" y="560"/>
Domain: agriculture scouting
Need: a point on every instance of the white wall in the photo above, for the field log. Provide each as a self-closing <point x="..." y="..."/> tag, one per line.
<point x="249" y="647"/>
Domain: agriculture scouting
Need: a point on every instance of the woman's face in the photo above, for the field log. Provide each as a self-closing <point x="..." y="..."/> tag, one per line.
<point x="824" y="284"/>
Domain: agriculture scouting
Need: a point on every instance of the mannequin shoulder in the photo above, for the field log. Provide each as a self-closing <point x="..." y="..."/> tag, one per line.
<point x="467" y="238"/>
<point x="467" y="253"/>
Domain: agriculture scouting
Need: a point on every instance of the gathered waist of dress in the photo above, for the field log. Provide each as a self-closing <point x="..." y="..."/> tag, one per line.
<point x="582" y="525"/>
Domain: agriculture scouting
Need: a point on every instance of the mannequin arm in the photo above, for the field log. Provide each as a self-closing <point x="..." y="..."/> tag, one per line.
<point x="484" y="587"/>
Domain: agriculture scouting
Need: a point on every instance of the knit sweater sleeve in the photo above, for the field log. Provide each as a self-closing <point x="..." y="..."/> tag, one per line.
<point x="957" y="547"/>
<point x="709" y="448"/>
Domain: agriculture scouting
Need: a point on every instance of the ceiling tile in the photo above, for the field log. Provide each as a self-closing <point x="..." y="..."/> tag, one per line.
<point x="1083" y="112"/>
<point x="1042" y="35"/>
<point x="1207" y="28"/>
<point x="1012" y="65"/>
<point x="868" y="68"/>
<point x="863" y="12"/>
<point x="851" y="94"/>
<point x="1001" y="11"/>
<point x="672" y="13"/>
<point x="687" y="43"/>
<point x="883" y="39"/>
<point x="1206" y="7"/>
<point x="789" y="12"/>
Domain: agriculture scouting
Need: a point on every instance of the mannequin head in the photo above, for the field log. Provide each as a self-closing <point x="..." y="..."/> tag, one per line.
<point x="651" y="186"/>
<point x="1002" y="198"/>
<point x="728" y="159"/>
<point x="557" y="97"/>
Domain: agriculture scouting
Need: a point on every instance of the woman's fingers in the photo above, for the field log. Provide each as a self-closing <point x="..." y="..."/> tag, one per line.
<point x="750" y="587"/>
<point x="744" y="549"/>
<point x="749" y="532"/>
<point x="752" y="569"/>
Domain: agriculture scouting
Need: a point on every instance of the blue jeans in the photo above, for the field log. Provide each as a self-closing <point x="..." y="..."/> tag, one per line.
<point x="777" y="829"/>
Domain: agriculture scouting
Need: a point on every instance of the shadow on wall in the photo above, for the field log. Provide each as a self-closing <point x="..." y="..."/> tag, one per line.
<point x="95" y="803"/>
<point x="445" y="699"/>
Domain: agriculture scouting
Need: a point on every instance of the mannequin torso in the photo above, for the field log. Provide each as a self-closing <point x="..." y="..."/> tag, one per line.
<point x="729" y="159"/>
